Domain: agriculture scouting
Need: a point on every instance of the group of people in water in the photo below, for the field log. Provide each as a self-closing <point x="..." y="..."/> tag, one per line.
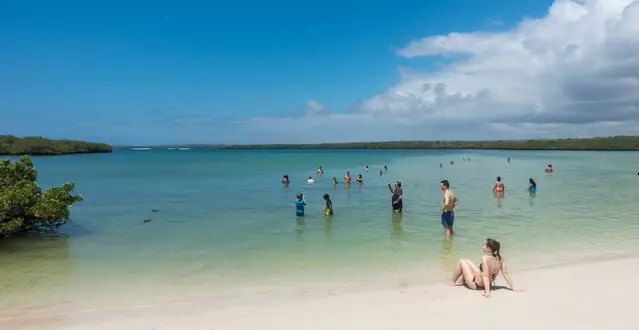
<point x="466" y="273"/>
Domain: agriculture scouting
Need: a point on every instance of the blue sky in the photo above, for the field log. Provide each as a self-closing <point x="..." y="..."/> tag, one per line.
<point x="156" y="72"/>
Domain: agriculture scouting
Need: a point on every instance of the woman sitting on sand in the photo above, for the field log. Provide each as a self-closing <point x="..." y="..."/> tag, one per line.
<point x="484" y="276"/>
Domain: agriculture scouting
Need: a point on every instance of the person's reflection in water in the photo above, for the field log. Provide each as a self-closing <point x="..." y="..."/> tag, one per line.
<point x="397" y="231"/>
<point x="446" y="256"/>
<point x="500" y="202"/>
<point x="328" y="227"/>
<point x="299" y="228"/>
<point x="531" y="200"/>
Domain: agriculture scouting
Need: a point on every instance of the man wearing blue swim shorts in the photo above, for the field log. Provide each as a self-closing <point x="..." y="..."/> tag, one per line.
<point x="449" y="203"/>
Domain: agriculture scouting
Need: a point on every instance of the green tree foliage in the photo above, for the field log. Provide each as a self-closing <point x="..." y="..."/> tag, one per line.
<point x="598" y="143"/>
<point x="24" y="206"/>
<point x="34" y="145"/>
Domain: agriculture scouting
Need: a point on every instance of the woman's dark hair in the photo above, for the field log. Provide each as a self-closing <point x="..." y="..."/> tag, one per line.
<point x="532" y="182"/>
<point x="494" y="246"/>
<point x="326" y="196"/>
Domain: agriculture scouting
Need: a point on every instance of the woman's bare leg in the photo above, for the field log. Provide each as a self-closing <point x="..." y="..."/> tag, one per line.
<point x="457" y="273"/>
<point x="465" y="270"/>
<point x="469" y="273"/>
<point x="473" y="267"/>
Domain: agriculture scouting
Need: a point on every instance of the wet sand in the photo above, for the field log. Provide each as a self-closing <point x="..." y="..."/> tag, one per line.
<point x="593" y="295"/>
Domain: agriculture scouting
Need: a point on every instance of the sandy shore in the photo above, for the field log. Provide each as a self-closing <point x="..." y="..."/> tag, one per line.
<point x="595" y="295"/>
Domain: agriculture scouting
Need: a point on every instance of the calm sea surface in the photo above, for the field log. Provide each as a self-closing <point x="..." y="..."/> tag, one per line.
<point x="225" y="223"/>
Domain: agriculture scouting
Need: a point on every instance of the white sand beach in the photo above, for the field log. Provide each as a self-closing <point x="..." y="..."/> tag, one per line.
<point x="594" y="295"/>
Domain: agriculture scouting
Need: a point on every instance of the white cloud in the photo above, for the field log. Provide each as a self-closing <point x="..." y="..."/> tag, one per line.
<point x="576" y="65"/>
<point x="314" y="108"/>
<point x="574" y="72"/>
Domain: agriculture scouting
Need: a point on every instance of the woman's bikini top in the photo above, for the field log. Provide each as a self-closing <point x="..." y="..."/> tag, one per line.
<point x="481" y="269"/>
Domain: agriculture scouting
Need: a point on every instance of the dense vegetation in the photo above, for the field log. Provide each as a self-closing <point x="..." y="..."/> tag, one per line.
<point x="11" y="145"/>
<point x="24" y="206"/>
<point x="599" y="143"/>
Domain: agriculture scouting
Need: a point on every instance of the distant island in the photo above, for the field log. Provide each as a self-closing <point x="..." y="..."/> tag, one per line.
<point x="618" y="143"/>
<point x="39" y="146"/>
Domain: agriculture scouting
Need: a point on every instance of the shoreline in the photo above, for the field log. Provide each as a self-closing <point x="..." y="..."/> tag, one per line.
<point x="611" y="143"/>
<point x="285" y="303"/>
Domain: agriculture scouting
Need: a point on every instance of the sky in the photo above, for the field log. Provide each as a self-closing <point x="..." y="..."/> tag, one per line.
<point x="284" y="71"/>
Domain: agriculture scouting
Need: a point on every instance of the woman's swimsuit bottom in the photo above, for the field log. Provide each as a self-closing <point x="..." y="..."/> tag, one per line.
<point x="481" y="270"/>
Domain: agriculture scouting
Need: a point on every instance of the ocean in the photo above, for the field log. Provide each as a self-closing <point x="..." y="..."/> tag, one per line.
<point x="225" y="226"/>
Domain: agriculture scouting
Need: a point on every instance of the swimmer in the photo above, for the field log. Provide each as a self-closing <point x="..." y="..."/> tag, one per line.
<point x="359" y="179"/>
<point x="499" y="187"/>
<point x="299" y="205"/>
<point x="441" y="165"/>
<point x="452" y="162"/>
<point x="328" y="208"/>
<point x="381" y="172"/>
<point x="310" y="180"/>
<point x="347" y="177"/>
<point x="320" y="171"/>
<point x="532" y="185"/>
<point x="397" y="198"/>
<point x="285" y="180"/>
<point x="366" y="168"/>
<point x="385" y="168"/>
<point x="508" y="159"/>
<point x="449" y="203"/>
<point x="549" y="168"/>
<point x="334" y="180"/>
<point x="483" y="277"/>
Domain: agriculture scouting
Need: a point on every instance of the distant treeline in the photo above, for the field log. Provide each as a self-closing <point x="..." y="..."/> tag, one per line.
<point x="35" y="145"/>
<point x="599" y="143"/>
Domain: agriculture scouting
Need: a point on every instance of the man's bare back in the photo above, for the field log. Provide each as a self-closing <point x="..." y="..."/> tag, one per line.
<point x="449" y="202"/>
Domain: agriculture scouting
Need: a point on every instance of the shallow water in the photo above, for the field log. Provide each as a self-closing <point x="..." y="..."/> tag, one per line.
<point x="225" y="222"/>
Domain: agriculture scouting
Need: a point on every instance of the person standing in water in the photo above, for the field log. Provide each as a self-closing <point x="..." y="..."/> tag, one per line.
<point x="334" y="180"/>
<point x="449" y="203"/>
<point x="398" y="196"/>
<point x="347" y="177"/>
<point x="532" y="185"/>
<point x="366" y="168"/>
<point x="549" y="169"/>
<point x="328" y="208"/>
<point x="359" y="179"/>
<point x="320" y="171"/>
<point x="299" y="205"/>
<point x="499" y="187"/>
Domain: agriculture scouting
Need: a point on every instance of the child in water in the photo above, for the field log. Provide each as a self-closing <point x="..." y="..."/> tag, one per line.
<point x="532" y="185"/>
<point x="328" y="209"/>
<point x="299" y="205"/>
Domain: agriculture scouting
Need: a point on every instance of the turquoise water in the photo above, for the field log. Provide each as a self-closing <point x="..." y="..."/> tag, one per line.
<point x="224" y="221"/>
